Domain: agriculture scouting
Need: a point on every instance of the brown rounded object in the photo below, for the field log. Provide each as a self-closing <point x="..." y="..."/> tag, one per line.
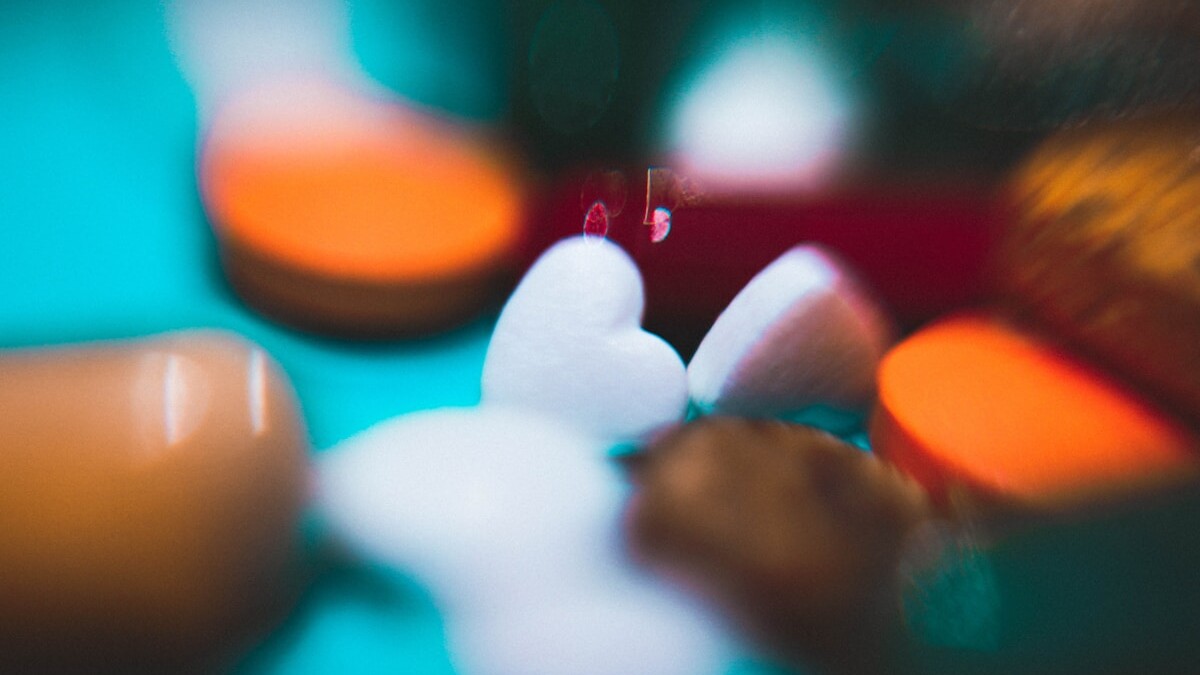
<point x="355" y="309"/>
<point x="795" y="533"/>
<point x="1105" y="250"/>
<point x="149" y="504"/>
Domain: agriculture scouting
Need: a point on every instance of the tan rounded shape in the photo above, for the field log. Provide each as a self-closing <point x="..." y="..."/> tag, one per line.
<point x="149" y="503"/>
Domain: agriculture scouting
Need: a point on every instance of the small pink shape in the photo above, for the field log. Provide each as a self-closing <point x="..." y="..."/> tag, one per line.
<point x="595" y="223"/>
<point x="660" y="227"/>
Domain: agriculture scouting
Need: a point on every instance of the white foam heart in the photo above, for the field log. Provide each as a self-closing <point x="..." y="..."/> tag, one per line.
<point x="802" y="333"/>
<point x="509" y="520"/>
<point x="569" y="344"/>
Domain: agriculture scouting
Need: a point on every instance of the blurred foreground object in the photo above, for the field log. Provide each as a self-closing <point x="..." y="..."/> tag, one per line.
<point x="793" y="532"/>
<point x="1106" y="587"/>
<point x="1106" y="251"/>
<point x="359" y="217"/>
<point x="835" y="561"/>
<point x="149" y="504"/>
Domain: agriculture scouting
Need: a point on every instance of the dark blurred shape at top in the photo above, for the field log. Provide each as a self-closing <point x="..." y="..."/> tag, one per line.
<point x="1031" y="65"/>
<point x="586" y="75"/>
<point x="574" y="63"/>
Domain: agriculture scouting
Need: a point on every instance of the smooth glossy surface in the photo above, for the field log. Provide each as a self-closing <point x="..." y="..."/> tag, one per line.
<point x="150" y="502"/>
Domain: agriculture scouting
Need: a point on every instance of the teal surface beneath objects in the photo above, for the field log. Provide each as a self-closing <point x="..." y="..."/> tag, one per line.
<point x="104" y="238"/>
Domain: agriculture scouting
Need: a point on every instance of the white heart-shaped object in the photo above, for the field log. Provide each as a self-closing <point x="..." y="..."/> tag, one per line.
<point x="473" y="502"/>
<point x="802" y="333"/>
<point x="569" y="344"/>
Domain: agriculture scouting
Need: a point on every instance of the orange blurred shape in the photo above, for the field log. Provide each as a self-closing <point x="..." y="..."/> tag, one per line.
<point x="352" y="215"/>
<point x="969" y="402"/>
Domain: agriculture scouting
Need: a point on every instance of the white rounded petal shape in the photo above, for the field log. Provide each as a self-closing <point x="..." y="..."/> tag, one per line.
<point x="766" y="114"/>
<point x="803" y="332"/>
<point x="627" y="629"/>
<point x="473" y="502"/>
<point x="569" y="344"/>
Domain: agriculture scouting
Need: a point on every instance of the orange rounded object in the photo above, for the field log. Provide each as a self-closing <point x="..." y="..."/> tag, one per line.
<point x="971" y="402"/>
<point x="346" y="214"/>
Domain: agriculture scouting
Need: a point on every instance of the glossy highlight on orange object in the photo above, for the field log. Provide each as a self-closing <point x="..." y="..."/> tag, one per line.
<point x="354" y="215"/>
<point x="971" y="402"/>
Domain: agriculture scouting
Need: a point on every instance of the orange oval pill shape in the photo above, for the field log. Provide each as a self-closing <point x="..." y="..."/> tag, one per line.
<point x="972" y="402"/>
<point x="149" y="503"/>
<point x="350" y="215"/>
